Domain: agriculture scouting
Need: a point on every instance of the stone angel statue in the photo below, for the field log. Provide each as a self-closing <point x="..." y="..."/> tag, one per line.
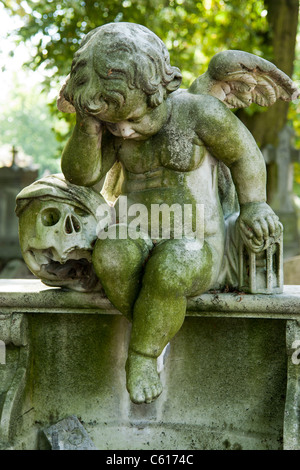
<point x="172" y="147"/>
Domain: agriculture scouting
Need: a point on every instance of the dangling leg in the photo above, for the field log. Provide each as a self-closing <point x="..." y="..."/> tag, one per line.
<point x="176" y="270"/>
<point x="118" y="264"/>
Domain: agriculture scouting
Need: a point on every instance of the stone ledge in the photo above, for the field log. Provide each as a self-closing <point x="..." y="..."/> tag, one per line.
<point x="32" y="296"/>
<point x="234" y="372"/>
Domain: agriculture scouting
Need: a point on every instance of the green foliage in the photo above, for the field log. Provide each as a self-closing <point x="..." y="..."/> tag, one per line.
<point x="297" y="179"/>
<point x="294" y="115"/>
<point x="294" y="111"/>
<point x="192" y="30"/>
<point x="28" y="124"/>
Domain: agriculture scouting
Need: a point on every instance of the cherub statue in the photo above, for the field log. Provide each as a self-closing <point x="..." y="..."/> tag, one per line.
<point x="172" y="146"/>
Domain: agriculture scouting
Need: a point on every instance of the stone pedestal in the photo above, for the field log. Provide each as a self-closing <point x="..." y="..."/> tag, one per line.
<point x="230" y="375"/>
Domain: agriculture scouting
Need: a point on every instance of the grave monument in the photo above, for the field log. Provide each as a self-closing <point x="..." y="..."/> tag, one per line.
<point x="189" y="230"/>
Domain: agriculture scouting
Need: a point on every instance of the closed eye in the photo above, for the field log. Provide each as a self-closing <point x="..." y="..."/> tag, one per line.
<point x="134" y="120"/>
<point x="80" y="81"/>
<point x="78" y="65"/>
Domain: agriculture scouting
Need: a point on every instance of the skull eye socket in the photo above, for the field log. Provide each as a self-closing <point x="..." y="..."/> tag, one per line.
<point x="50" y="216"/>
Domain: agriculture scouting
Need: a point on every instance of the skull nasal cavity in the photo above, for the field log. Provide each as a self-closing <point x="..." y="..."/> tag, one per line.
<point x="72" y="224"/>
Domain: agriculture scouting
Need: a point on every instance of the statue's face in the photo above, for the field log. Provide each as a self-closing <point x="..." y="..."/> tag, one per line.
<point x="138" y="121"/>
<point x="56" y="240"/>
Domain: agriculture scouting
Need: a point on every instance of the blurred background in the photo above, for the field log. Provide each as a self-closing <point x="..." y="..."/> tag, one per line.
<point x="37" y="43"/>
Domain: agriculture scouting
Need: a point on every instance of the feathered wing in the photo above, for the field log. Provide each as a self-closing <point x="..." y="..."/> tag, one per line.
<point x="238" y="79"/>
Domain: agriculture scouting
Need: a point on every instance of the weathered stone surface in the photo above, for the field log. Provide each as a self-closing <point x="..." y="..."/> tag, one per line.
<point x="14" y="373"/>
<point x="13" y="328"/>
<point x="68" y="434"/>
<point x="291" y="434"/>
<point x="33" y="296"/>
<point x="2" y="352"/>
<point x="224" y="380"/>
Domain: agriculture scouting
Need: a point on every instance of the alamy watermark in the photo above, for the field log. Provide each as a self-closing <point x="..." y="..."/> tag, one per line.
<point x="160" y="221"/>
<point x="296" y="353"/>
<point x="2" y="352"/>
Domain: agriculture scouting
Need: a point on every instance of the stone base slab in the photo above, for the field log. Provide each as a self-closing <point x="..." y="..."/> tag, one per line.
<point x="230" y="375"/>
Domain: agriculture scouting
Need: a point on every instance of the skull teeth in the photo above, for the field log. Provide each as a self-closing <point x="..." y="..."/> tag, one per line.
<point x="45" y="257"/>
<point x="40" y="257"/>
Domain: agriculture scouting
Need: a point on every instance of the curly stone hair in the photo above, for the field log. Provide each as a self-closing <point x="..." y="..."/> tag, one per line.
<point x="122" y="55"/>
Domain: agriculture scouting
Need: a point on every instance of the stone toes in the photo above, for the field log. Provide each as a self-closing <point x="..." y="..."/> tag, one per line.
<point x="148" y="393"/>
<point x="153" y="393"/>
<point x="158" y="389"/>
<point x="137" y="398"/>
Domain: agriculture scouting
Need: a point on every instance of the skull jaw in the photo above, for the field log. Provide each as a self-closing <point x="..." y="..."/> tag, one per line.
<point x="75" y="273"/>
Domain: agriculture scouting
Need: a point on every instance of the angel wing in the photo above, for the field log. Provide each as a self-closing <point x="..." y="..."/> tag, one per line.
<point x="238" y="79"/>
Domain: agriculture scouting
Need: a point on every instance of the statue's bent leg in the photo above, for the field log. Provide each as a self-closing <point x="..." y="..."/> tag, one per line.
<point x="118" y="264"/>
<point x="177" y="269"/>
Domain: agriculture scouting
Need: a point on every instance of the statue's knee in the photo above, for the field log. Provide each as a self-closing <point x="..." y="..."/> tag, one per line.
<point x="112" y="257"/>
<point x="163" y="279"/>
<point x="180" y="270"/>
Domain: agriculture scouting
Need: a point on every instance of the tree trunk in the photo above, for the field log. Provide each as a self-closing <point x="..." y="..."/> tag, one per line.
<point x="283" y="21"/>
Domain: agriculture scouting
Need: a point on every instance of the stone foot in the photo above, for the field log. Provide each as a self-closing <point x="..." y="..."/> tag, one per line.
<point x="143" y="383"/>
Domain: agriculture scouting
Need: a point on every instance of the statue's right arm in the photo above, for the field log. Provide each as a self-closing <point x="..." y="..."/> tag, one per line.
<point x="82" y="160"/>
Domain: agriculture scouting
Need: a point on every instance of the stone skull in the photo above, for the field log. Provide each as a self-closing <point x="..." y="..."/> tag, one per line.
<point x="57" y="236"/>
